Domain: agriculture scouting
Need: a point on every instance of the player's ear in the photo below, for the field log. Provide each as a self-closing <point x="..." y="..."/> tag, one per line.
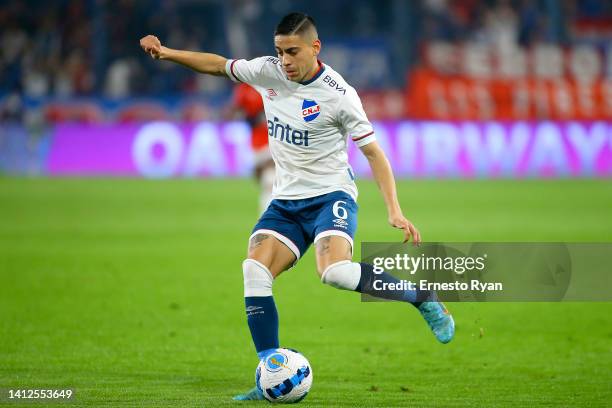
<point x="316" y="47"/>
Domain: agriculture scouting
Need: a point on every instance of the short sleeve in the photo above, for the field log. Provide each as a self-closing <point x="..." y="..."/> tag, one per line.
<point x="353" y="119"/>
<point x="247" y="71"/>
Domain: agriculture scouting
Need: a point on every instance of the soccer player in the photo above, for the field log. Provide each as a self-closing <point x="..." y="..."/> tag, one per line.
<point x="248" y="101"/>
<point x="310" y="111"/>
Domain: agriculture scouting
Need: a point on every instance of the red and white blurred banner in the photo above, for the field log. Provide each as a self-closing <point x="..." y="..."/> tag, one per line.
<point x="482" y="82"/>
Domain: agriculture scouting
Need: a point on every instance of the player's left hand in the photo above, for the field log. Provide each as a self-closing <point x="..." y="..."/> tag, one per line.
<point x="401" y="222"/>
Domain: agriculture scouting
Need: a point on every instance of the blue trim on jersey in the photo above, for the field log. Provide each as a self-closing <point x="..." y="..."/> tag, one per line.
<point x="351" y="174"/>
<point x="316" y="75"/>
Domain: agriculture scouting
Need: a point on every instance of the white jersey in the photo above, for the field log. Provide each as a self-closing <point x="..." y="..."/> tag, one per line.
<point x="308" y="126"/>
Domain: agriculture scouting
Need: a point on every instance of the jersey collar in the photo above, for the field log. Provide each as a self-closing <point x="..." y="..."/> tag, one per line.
<point x="316" y="75"/>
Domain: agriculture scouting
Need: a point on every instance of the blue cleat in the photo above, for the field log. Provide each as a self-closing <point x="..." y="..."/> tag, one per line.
<point x="254" y="394"/>
<point x="439" y="320"/>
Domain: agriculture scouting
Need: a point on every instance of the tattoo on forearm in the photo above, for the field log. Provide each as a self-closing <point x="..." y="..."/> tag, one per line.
<point x="323" y="245"/>
<point x="257" y="240"/>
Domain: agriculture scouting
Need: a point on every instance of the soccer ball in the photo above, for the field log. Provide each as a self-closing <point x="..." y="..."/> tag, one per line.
<point x="284" y="376"/>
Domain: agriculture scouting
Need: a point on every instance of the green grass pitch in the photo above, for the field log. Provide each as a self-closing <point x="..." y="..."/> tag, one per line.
<point x="130" y="292"/>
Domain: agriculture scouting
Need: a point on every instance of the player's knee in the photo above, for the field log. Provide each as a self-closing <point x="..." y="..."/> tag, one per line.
<point x="342" y="275"/>
<point x="257" y="279"/>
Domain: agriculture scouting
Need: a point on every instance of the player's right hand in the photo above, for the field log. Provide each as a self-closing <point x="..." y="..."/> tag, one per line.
<point x="151" y="45"/>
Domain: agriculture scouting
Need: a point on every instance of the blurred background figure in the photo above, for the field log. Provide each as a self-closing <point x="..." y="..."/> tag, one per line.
<point x="247" y="102"/>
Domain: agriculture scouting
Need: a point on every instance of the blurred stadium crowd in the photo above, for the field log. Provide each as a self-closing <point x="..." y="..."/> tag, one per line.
<point x="65" y="60"/>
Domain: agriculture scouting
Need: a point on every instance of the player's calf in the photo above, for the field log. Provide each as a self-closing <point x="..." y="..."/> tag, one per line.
<point x="262" y="316"/>
<point x="360" y="277"/>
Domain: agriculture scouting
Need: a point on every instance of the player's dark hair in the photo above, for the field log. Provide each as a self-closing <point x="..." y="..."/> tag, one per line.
<point x="295" y="23"/>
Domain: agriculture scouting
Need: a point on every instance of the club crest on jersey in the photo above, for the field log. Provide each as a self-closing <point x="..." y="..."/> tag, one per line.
<point x="310" y="110"/>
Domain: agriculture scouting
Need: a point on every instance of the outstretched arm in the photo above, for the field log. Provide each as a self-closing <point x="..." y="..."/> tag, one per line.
<point x="203" y="62"/>
<point x="381" y="169"/>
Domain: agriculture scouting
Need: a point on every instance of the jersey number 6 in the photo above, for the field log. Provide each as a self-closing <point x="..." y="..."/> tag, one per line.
<point x="340" y="212"/>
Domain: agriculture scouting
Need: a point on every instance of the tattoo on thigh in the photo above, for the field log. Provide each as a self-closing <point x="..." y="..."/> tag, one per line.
<point x="323" y="245"/>
<point x="257" y="240"/>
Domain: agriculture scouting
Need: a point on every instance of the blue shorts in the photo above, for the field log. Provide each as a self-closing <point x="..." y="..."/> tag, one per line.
<point x="299" y="223"/>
